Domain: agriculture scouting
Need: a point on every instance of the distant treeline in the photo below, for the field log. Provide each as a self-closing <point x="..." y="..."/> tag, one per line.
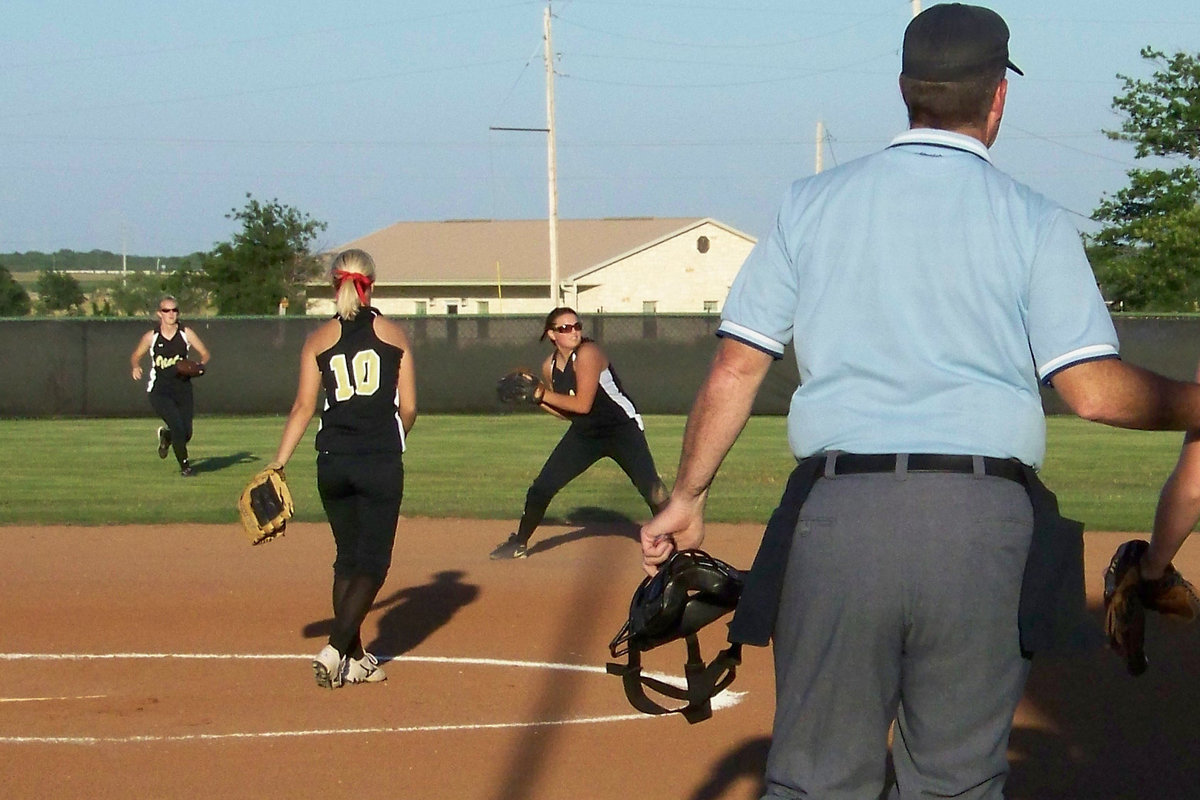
<point x="72" y="261"/>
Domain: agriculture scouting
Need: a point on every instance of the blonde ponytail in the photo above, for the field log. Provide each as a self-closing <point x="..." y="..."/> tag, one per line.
<point x="352" y="275"/>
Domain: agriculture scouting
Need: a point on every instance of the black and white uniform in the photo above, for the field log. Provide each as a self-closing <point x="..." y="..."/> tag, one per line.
<point x="360" y="471"/>
<point x="170" y="394"/>
<point x="612" y="428"/>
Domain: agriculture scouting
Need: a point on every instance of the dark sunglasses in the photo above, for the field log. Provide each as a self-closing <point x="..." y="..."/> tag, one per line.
<point x="574" y="326"/>
<point x="169" y="310"/>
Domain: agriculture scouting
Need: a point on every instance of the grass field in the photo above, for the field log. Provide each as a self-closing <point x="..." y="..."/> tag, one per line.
<point x="105" y="471"/>
<point x="88" y="281"/>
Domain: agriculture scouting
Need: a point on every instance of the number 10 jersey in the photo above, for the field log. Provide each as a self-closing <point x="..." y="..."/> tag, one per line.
<point x="359" y="374"/>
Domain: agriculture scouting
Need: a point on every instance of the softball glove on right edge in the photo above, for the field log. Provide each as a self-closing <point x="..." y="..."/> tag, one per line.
<point x="1127" y="596"/>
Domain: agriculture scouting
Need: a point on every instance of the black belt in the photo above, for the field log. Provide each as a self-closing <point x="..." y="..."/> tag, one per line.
<point x="859" y="463"/>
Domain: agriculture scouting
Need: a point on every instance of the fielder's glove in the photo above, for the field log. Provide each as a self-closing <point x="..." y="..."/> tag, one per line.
<point x="1127" y="597"/>
<point x="186" y="368"/>
<point x="266" y="505"/>
<point x="520" y="386"/>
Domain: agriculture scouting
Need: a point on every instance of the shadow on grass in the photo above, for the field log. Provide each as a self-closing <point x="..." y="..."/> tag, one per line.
<point x="218" y="463"/>
<point x="412" y="614"/>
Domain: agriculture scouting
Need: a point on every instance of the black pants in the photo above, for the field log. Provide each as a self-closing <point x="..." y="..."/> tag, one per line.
<point x="176" y="408"/>
<point x="576" y="452"/>
<point x="361" y="494"/>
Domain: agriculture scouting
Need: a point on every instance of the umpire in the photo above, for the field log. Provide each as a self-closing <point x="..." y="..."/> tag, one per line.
<point x="915" y="561"/>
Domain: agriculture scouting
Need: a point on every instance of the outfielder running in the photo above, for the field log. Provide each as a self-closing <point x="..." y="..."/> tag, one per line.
<point x="581" y="386"/>
<point x="169" y="392"/>
<point x="364" y="363"/>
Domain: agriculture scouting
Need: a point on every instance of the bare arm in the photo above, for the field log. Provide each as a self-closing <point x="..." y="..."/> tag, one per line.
<point x="590" y="361"/>
<point x="303" y="407"/>
<point x="1178" y="509"/>
<point x="139" y="352"/>
<point x="1126" y="396"/>
<point x="195" y="343"/>
<point x="718" y="415"/>
<point x="1123" y="395"/>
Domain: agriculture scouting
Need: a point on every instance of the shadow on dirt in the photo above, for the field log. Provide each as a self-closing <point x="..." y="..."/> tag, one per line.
<point x="1098" y="732"/>
<point x="591" y="523"/>
<point x="1087" y="729"/>
<point x="744" y="763"/>
<point x="412" y="614"/>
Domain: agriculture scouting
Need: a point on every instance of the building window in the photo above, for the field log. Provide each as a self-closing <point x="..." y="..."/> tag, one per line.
<point x="422" y="308"/>
<point x="710" y="306"/>
<point x="649" y="306"/>
<point x="452" y="309"/>
<point x="702" y="244"/>
<point x="483" y="307"/>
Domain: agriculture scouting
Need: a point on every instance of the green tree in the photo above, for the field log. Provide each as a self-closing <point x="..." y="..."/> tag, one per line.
<point x="1147" y="257"/>
<point x="139" y="292"/>
<point x="58" y="291"/>
<point x="14" y="300"/>
<point x="269" y="259"/>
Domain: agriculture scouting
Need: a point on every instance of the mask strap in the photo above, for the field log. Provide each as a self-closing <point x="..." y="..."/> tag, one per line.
<point x="703" y="682"/>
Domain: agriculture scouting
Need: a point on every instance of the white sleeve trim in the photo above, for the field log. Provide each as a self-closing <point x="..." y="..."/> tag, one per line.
<point x="1082" y="354"/>
<point x="750" y="337"/>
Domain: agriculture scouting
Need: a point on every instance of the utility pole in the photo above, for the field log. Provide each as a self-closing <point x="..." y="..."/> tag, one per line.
<point x="819" y="163"/>
<point x="916" y="7"/>
<point x="551" y="158"/>
<point x="551" y="163"/>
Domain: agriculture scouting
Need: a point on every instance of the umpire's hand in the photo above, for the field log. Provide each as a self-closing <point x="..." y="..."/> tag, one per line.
<point x="679" y="526"/>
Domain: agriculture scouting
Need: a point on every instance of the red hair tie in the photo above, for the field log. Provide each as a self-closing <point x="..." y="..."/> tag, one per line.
<point x="362" y="283"/>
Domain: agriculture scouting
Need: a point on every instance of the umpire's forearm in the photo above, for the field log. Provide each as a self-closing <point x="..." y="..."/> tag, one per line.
<point x="1113" y="392"/>
<point x="719" y="413"/>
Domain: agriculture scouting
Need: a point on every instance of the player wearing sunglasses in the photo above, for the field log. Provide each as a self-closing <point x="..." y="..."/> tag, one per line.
<point x="170" y="393"/>
<point x="583" y="388"/>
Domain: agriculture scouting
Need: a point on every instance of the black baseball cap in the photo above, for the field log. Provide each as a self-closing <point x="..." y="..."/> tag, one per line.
<point x="955" y="42"/>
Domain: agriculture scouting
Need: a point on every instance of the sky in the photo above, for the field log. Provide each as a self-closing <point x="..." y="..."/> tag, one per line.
<point x="137" y="126"/>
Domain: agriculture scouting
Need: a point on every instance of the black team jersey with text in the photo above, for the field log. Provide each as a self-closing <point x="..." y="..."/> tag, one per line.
<point x="611" y="407"/>
<point x="359" y="373"/>
<point x="164" y="355"/>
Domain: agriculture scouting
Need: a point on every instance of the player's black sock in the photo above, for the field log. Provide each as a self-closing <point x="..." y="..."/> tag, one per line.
<point x="341" y="585"/>
<point x="350" y="613"/>
<point x="529" y="522"/>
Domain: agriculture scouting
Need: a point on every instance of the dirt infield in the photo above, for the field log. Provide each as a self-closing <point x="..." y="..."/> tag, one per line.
<point x="174" y="663"/>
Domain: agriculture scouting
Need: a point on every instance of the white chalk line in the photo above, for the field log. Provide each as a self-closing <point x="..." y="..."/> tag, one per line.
<point x="44" y="699"/>
<point x="725" y="700"/>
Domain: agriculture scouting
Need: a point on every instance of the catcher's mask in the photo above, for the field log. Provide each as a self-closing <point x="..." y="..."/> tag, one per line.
<point x="691" y="590"/>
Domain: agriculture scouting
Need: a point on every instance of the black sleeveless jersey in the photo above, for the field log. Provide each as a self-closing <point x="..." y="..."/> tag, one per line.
<point x="362" y="402"/>
<point x="164" y="355"/>
<point x="612" y="406"/>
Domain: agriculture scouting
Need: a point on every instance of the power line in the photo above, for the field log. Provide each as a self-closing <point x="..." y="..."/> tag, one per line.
<point x="729" y="84"/>
<point x="257" y="40"/>
<point x="725" y="44"/>
<point x="1031" y="134"/>
<point x="252" y="92"/>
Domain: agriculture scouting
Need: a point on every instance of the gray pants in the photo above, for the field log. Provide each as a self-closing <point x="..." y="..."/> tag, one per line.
<point x="900" y="604"/>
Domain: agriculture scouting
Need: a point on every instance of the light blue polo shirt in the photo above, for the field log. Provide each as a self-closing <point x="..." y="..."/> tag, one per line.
<point x="926" y="294"/>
